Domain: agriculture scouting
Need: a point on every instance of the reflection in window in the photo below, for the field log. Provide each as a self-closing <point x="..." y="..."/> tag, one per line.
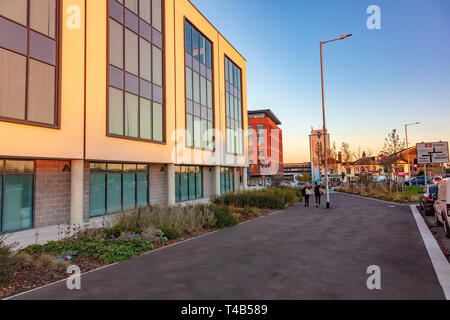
<point x="188" y="183"/>
<point x="135" y="106"/>
<point x="233" y="108"/>
<point x="226" y="180"/>
<point x="199" y="90"/>
<point x="16" y="195"/>
<point x="28" y="52"/>
<point x="117" y="187"/>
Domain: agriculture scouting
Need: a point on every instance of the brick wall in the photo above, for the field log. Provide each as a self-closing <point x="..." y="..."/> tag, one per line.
<point x="158" y="185"/>
<point x="86" y="190"/>
<point x="52" y="193"/>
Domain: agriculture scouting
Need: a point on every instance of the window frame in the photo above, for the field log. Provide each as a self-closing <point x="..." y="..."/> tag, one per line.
<point x="213" y="147"/>
<point x="33" y="200"/>
<point x="186" y="169"/>
<point x="122" y="172"/>
<point x="163" y="66"/>
<point x="58" y="74"/>
<point x="242" y="107"/>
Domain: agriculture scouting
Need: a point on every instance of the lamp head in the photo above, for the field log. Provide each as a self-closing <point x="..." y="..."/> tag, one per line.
<point x="346" y="36"/>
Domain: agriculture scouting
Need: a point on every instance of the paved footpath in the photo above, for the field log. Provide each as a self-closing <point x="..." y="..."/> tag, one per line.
<point x="299" y="253"/>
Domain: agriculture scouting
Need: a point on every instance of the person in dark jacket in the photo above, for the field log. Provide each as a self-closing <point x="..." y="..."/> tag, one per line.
<point x="306" y="193"/>
<point x="317" y="193"/>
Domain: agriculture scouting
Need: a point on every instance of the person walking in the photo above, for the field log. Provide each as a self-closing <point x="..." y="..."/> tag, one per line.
<point x="306" y="192"/>
<point x="318" y="193"/>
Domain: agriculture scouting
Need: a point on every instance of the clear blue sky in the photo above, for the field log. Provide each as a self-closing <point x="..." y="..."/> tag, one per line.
<point x="375" y="81"/>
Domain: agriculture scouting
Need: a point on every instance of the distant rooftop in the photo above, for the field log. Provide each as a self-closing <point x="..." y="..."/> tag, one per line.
<point x="267" y="112"/>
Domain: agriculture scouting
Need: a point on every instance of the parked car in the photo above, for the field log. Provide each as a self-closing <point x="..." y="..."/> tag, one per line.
<point x="419" y="181"/>
<point x="428" y="198"/>
<point x="442" y="206"/>
<point x="436" y="179"/>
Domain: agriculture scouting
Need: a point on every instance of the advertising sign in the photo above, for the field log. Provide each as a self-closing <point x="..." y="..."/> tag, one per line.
<point x="433" y="152"/>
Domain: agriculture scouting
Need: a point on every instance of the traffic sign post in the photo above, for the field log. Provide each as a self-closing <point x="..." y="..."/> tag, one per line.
<point x="433" y="152"/>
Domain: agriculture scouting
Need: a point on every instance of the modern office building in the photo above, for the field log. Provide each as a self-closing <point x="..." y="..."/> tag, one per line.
<point x="292" y="170"/>
<point x="108" y="105"/>
<point x="265" y="147"/>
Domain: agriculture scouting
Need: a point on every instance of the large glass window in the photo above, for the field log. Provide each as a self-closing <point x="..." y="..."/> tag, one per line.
<point x="188" y="183"/>
<point x="226" y="180"/>
<point x="233" y="100"/>
<point x="16" y="195"/>
<point x="28" y="61"/>
<point x="117" y="187"/>
<point x="199" y="90"/>
<point x="136" y="108"/>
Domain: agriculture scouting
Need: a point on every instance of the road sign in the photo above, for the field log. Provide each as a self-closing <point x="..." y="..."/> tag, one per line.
<point x="434" y="152"/>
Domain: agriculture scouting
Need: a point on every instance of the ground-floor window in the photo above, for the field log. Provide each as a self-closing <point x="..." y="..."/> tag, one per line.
<point x="188" y="183"/>
<point x="16" y="195"/>
<point x="117" y="187"/>
<point x="226" y="180"/>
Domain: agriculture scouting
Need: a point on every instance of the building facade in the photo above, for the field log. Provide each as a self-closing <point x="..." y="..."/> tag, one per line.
<point x="265" y="147"/>
<point x="108" y="105"/>
<point x="292" y="170"/>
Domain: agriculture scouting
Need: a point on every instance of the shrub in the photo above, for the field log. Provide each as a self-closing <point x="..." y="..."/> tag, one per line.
<point x="8" y="262"/>
<point x="252" y="212"/>
<point x="224" y="216"/>
<point x="170" y="233"/>
<point x="114" y="232"/>
<point x="182" y="218"/>
<point x="262" y="199"/>
<point x="108" y="250"/>
<point x="154" y="236"/>
<point x="48" y="261"/>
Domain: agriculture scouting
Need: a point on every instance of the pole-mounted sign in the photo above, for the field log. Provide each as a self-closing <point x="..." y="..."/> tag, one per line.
<point x="433" y="152"/>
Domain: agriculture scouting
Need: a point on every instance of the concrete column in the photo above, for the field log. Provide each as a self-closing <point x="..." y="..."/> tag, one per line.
<point x="244" y="178"/>
<point x="217" y="180"/>
<point x="76" y="191"/>
<point x="171" y="185"/>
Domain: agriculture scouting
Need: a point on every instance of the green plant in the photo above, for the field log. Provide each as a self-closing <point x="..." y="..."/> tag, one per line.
<point x="109" y="250"/>
<point x="154" y="236"/>
<point x="263" y="199"/>
<point x="8" y="262"/>
<point x="251" y="212"/>
<point x="115" y="231"/>
<point x="182" y="218"/>
<point x="224" y="216"/>
<point x="170" y="233"/>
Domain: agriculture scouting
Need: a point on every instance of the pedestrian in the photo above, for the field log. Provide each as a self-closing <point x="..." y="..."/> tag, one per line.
<point x="306" y="190"/>
<point x="317" y="193"/>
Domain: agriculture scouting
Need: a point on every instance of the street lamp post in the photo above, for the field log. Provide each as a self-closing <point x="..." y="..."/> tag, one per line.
<point x="406" y="133"/>
<point x="323" y="111"/>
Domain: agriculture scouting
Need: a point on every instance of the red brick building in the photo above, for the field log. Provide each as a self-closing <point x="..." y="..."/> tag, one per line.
<point x="265" y="151"/>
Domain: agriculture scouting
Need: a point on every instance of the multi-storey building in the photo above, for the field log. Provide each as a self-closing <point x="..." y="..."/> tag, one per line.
<point x="108" y="105"/>
<point x="265" y="147"/>
<point x="293" y="170"/>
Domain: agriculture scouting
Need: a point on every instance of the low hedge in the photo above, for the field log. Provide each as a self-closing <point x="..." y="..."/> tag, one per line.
<point x="271" y="198"/>
<point x="108" y="250"/>
<point x="225" y="217"/>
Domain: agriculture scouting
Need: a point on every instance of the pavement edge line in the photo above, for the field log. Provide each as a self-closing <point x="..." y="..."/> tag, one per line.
<point x="440" y="263"/>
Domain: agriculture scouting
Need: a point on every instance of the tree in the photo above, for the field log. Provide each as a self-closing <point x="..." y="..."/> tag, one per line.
<point x="390" y="155"/>
<point x="304" y="178"/>
<point x="346" y="152"/>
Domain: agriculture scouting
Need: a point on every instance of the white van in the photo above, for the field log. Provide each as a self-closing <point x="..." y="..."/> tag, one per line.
<point x="442" y="206"/>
